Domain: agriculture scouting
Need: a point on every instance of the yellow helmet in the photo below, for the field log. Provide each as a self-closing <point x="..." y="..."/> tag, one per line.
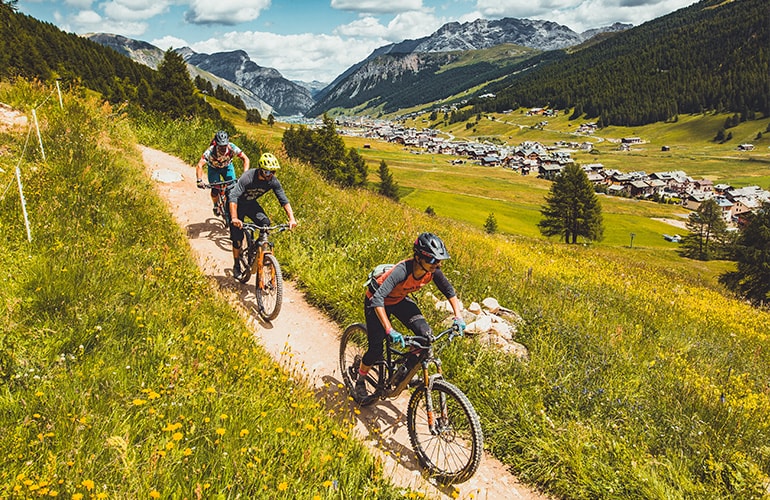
<point x="268" y="161"/>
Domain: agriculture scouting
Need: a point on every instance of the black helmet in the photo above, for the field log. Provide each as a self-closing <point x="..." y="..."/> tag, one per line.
<point x="221" y="138"/>
<point x="430" y="246"/>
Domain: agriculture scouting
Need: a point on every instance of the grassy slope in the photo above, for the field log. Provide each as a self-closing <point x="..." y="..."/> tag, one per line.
<point x="124" y="373"/>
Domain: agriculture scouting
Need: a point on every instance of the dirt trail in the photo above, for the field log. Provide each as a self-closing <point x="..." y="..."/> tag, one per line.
<point x="311" y="338"/>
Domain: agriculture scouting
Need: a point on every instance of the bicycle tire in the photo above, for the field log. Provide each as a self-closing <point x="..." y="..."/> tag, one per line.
<point x="353" y="345"/>
<point x="270" y="294"/>
<point x="452" y="452"/>
<point x="246" y="257"/>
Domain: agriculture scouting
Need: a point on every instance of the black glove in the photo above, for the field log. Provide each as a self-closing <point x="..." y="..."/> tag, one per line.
<point x="200" y="184"/>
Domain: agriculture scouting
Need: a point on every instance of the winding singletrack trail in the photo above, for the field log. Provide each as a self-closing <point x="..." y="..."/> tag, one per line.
<point x="303" y="337"/>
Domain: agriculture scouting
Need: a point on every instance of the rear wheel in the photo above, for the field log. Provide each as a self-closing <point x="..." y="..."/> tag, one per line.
<point x="448" y="441"/>
<point x="270" y="291"/>
<point x="353" y="345"/>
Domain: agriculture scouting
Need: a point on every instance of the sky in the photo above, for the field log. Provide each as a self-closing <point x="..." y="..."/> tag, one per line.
<point x="309" y="40"/>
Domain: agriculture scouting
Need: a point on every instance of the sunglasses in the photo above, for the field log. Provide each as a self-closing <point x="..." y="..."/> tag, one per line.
<point x="431" y="260"/>
<point x="266" y="173"/>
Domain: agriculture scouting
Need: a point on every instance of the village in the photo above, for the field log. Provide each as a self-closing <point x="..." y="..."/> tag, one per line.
<point x="535" y="158"/>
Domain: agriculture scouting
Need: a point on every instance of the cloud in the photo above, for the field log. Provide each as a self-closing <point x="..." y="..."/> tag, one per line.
<point x="89" y="21"/>
<point x="303" y="57"/>
<point x="169" y="42"/>
<point x="581" y="15"/>
<point x="408" y="25"/>
<point x="227" y="12"/>
<point x="133" y="10"/>
<point x="377" y="6"/>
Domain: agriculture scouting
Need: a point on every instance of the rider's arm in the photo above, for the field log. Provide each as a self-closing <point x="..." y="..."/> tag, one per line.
<point x="246" y="162"/>
<point x="383" y="317"/>
<point x="290" y="215"/>
<point x="199" y="168"/>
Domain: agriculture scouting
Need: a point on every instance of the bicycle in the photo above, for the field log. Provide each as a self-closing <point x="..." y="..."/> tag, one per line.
<point x="257" y="258"/>
<point x="444" y="428"/>
<point x="221" y="204"/>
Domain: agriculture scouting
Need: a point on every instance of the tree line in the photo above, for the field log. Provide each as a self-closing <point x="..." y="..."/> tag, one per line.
<point x="711" y="56"/>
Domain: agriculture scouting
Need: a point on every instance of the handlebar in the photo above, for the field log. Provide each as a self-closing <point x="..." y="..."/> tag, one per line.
<point x="206" y="185"/>
<point x="421" y="342"/>
<point x="267" y="229"/>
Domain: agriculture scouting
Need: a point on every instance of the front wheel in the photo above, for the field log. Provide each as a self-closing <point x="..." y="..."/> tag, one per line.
<point x="270" y="290"/>
<point x="448" y="440"/>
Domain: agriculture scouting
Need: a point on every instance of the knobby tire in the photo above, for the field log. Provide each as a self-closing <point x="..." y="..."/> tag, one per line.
<point x="246" y="258"/>
<point x="452" y="451"/>
<point x="270" y="294"/>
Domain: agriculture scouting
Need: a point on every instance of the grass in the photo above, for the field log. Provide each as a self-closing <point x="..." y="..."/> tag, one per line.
<point x="125" y="373"/>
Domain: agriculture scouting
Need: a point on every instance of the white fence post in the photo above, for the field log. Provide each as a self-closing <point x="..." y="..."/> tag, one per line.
<point x="39" y="138"/>
<point x="23" y="204"/>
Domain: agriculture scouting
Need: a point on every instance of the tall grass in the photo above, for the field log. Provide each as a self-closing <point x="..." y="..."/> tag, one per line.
<point x="125" y="374"/>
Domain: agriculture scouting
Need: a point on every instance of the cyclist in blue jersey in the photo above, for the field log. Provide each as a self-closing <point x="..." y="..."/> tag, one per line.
<point x="219" y="158"/>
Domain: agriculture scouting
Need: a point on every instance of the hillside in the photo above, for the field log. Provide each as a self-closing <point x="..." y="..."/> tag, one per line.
<point x="711" y="55"/>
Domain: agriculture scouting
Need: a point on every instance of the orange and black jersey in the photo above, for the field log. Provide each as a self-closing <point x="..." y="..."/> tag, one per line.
<point x="399" y="281"/>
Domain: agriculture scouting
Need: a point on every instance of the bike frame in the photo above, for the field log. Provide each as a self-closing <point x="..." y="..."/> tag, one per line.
<point x="221" y="188"/>
<point x="426" y="354"/>
<point x="265" y="248"/>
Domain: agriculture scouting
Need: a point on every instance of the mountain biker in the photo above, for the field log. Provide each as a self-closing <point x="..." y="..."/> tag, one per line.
<point x="242" y="200"/>
<point x="219" y="158"/>
<point x="387" y="295"/>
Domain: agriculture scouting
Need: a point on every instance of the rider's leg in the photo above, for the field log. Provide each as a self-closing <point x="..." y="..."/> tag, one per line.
<point x="375" y="334"/>
<point x="236" y="237"/>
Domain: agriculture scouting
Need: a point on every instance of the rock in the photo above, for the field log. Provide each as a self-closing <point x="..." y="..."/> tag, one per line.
<point x="491" y="304"/>
<point x="482" y="325"/>
<point x="475" y="308"/>
<point x="503" y="330"/>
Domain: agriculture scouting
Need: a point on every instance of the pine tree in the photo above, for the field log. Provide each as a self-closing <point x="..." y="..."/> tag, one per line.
<point x="174" y="94"/>
<point x="752" y="251"/>
<point x="707" y="230"/>
<point x="490" y="225"/>
<point x="572" y="208"/>
<point x="388" y="187"/>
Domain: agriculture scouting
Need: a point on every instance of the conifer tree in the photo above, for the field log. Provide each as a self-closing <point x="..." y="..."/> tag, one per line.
<point x="707" y="230"/>
<point x="388" y="187"/>
<point x="752" y="251"/>
<point x="174" y="93"/>
<point x="490" y="225"/>
<point x="572" y="208"/>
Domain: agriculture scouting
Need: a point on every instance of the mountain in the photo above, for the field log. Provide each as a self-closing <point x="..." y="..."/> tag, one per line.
<point x="451" y="60"/>
<point x="150" y="55"/>
<point x="285" y="96"/>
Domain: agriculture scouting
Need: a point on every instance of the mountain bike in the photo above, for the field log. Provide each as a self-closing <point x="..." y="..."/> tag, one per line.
<point x="444" y="428"/>
<point x="221" y="207"/>
<point x="257" y="258"/>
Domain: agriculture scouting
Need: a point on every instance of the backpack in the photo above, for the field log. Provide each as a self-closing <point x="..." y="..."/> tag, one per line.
<point x="378" y="271"/>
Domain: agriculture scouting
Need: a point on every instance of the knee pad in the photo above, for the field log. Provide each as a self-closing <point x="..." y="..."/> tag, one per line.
<point x="237" y="244"/>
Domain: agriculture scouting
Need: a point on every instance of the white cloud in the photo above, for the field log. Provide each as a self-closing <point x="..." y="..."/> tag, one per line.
<point x="364" y="27"/>
<point x="133" y="10"/>
<point x="581" y="15"/>
<point x="228" y="12"/>
<point x="408" y="25"/>
<point x="169" y="42"/>
<point x="89" y="21"/>
<point x="377" y="6"/>
<point x="412" y="25"/>
<point x="297" y="57"/>
<point x="79" y="4"/>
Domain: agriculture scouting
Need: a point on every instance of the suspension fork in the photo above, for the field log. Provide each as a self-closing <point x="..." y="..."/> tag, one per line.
<point x="428" y="382"/>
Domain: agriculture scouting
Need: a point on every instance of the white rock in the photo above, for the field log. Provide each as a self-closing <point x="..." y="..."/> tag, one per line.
<point x="491" y="304"/>
<point x="475" y="308"/>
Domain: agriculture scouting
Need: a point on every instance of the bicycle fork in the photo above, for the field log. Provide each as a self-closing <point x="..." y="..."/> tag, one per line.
<point x="429" y="408"/>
